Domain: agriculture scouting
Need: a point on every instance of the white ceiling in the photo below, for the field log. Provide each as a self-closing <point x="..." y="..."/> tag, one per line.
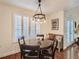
<point x="48" y="6"/>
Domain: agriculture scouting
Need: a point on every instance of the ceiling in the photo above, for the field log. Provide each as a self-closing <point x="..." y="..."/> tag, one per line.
<point x="48" y="6"/>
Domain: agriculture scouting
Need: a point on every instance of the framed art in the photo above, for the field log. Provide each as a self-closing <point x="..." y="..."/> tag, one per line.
<point x="55" y="24"/>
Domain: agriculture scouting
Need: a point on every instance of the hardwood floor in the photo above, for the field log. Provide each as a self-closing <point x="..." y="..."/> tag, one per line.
<point x="70" y="53"/>
<point x="17" y="56"/>
<point x="14" y="56"/>
<point x="59" y="55"/>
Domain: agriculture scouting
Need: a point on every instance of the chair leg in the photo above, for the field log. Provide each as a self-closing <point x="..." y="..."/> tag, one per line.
<point x="21" y="57"/>
<point x="53" y="56"/>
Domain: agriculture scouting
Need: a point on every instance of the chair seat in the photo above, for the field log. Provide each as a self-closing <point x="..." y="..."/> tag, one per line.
<point x="32" y="57"/>
<point x="46" y="53"/>
<point x="33" y="53"/>
<point x="46" y="57"/>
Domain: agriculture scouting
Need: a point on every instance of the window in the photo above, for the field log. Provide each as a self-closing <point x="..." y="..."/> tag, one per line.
<point x="23" y="26"/>
<point x="34" y="28"/>
<point x="69" y="31"/>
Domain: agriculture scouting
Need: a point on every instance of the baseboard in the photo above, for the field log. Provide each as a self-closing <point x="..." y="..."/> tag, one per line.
<point x="68" y="47"/>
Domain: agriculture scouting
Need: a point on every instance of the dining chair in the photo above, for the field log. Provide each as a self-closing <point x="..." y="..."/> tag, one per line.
<point x="28" y="51"/>
<point x="31" y="52"/>
<point x="21" y="42"/>
<point x="40" y="36"/>
<point x="49" y="51"/>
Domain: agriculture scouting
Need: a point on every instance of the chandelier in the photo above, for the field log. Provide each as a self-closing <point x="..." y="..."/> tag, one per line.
<point x="39" y="17"/>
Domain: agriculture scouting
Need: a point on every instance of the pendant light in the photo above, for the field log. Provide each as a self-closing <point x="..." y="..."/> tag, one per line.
<point x="39" y="17"/>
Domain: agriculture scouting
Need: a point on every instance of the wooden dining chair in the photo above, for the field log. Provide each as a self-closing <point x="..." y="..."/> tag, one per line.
<point x="40" y="36"/>
<point x="49" y="51"/>
<point x="31" y="52"/>
<point x="54" y="47"/>
<point x="28" y="51"/>
<point x="21" y="42"/>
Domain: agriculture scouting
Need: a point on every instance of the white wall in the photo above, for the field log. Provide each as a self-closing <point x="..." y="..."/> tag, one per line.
<point x="74" y="14"/>
<point x="60" y="16"/>
<point x="6" y="45"/>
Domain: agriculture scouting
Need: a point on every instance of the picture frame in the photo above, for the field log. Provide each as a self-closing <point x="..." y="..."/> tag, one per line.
<point x="55" y="24"/>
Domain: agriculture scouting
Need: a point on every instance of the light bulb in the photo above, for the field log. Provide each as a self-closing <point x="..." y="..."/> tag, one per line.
<point x="38" y="20"/>
<point x="44" y="21"/>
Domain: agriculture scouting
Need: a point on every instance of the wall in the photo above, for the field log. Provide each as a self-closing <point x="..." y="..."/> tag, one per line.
<point x="73" y="13"/>
<point x="47" y="27"/>
<point x="60" y="16"/>
<point x="6" y="44"/>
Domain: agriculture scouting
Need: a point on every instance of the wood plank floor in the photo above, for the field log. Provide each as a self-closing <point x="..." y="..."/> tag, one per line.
<point x="14" y="56"/>
<point x="17" y="56"/>
<point x="70" y="53"/>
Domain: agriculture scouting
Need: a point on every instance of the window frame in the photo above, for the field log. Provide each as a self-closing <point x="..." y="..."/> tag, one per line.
<point x="15" y="39"/>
